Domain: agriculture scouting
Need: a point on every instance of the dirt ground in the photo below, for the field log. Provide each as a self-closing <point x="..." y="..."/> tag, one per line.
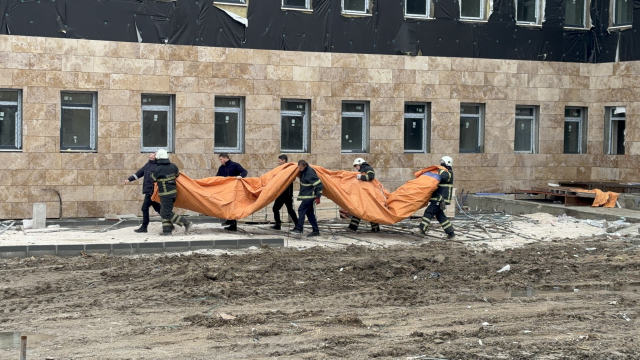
<point x="561" y="299"/>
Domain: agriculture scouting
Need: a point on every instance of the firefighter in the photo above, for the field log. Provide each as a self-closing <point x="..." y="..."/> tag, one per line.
<point x="440" y="198"/>
<point x="286" y="198"/>
<point x="147" y="191"/>
<point x="366" y="173"/>
<point x="165" y="175"/>
<point x="310" y="193"/>
<point x="230" y="168"/>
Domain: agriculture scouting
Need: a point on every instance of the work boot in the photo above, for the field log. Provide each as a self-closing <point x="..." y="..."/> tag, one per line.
<point x="375" y="229"/>
<point x="187" y="225"/>
<point x="276" y="227"/>
<point x="451" y="236"/>
<point x="141" y="229"/>
<point x="314" y="233"/>
<point x="226" y="222"/>
<point x="296" y="231"/>
<point x="233" y="227"/>
<point x="165" y="233"/>
<point x="353" y="228"/>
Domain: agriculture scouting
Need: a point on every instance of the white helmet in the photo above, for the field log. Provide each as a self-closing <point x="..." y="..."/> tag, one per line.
<point x="446" y="160"/>
<point x="358" y="161"/>
<point x="162" y="154"/>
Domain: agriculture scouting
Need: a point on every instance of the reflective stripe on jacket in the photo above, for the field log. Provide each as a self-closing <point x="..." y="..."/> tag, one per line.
<point x="367" y="172"/>
<point x="445" y="187"/>
<point x="310" y="184"/>
<point x="165" y="175"/>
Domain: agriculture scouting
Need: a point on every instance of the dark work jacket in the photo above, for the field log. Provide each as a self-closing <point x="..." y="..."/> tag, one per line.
<point x="165" y="175"/>
<point x="286" y="195"/>
<point x="367" y="172"/>
<point x="310" y="184"/>
<point x="231" y="169"/>
<point x="146" y="171"/>
<point x="445" y="187"/>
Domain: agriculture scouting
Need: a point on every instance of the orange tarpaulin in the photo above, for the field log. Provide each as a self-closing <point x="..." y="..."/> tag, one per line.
<point x="605" y="199"/>
<point x="230" y="198"/>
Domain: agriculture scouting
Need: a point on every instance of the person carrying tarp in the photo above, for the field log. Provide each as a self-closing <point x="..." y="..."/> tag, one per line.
<point x="165" y="176"/>
<point x="147" y="191"/>
<point x="440" y="199"/>
<point x="310" y="193"/>
<point x="366" y="173"/>
<point x="286" y="198"/>
<point x="230" y="168"/>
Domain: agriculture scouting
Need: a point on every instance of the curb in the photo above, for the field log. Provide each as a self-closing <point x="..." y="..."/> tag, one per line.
<point x="73" y="223"/>
<point x="22" y="251"/>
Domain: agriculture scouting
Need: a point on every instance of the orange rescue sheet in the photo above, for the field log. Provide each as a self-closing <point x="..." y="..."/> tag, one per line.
<point x="230" y="198"/>
<point x="605" y="199"/>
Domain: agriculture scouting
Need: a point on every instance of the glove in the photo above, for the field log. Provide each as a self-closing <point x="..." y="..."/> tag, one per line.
<point x="318" y="201"/>
<point x="442" y="205"/>
<point x="358" y="176"/>
<point x="238" y="177"/>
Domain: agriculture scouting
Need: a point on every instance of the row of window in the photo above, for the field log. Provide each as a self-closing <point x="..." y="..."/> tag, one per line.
<point x="527" y="11"/>
<point x="79" y="125"/>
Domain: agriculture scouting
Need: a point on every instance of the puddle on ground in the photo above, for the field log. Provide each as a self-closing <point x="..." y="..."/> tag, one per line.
<point x="9" y="340"/>
<point x="555" y="290"/>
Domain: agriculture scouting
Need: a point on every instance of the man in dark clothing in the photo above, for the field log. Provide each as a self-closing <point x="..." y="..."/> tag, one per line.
<point x="286" y="198"/>
<point x="366" y="173"/>
<point x="310" y="193"/>
<point x="440" y="199"/>
<point x="147" y="190"/>
<point x="228" y="169"/>
<point x="165" y="175"/>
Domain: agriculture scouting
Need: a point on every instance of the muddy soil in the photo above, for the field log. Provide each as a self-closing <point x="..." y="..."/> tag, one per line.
<point x="432" y="300"/>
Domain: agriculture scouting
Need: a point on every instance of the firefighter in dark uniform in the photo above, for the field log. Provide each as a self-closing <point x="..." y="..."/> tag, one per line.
<point x="230" y="168"/>
<point x="147" y="190"/>
<point x="366" y="173"/>
<point x="310" y="193"/>
<point x="286" y="198"/>
<point x="440" y="198"/>
<point x="165" y="175"/>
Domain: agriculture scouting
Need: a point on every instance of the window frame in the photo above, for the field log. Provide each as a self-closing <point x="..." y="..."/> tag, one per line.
<point x="93" y="128"/>
<point x="480" y="138"/>
<point x="426" y="127"/>
<point x="367" y="10"/>
<point x="365" y="125"/>
<point x="612" y="20"/>
<point x="534" y="129"/>
<point x="307" y="6"/>
<point x="18" y="120"/>
<point x="483" y="6"/>
<point x="609" y="119"/>
<point x="170" y="123"/>
<point x="224" y="2"/>
<point x="540" y="5"/>
<point x="240" y="110"/>
<point x="429" y="14"/>
<point x="581" y="130"/>
<point x="587" y="20"/>
<point x="306" y="124"/>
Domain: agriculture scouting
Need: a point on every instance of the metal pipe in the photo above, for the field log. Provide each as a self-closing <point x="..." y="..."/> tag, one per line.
<point x="23" y="348"/>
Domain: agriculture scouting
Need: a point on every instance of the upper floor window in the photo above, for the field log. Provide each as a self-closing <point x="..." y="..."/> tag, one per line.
<point x="229" y="124"/>
<point x="296" y="4"/>
<point x="472" y="9"/>
<point x="358" y="7"/>
<point x="231" y="2"/>
<point x="471" y="128"/>
<point x="10" y="119"/>
<point x="79" y="124"/>
<point x="355" y="125"/>
<point x="157" y="122"/>
<point x="294" y="133"/>
<point x="417" y="8"/>
<point x="622" y="12"/>
<point x="575" y="13"/>
<point x="575" y="130"/>
<point x="417" y="127"/>
<point x="528" y="11"/>
<point x="615" y="130"/>
<point x="526" y="138"/>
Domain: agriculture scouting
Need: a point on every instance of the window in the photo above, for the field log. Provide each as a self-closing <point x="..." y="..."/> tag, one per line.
<point x="528" y="11"/>
<point x="296" y="4"/>
<point x="614" y="130"/>
<point x="10" y="120"/>
<point x="229" y="124"/>
<point x="471" y="128"/>
<point x="526" y="139"/>
<point x="78" y="130"/>
<point x="575" y="130"/>
<point x="354" y="126"/>
<point x="294" y="131"/>
<point x="231" y="2"/>
<point x="622" y="12"/>
<point x="575" y="13"/>
<point x="417" y="8"/>
<point x="157" y="122"/>
<point x="417" y="128"/>
<point x="472" y="9"/>
<point x="355" y="6"/>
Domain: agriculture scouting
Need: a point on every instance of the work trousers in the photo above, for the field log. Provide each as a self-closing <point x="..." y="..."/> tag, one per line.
<point x="288" y="202"/>
<point x="355" y="222"/>
<point x="166" y="213"/>
<point x="434" y="210"/>
<point x="306" y="208"/>
<point x="146" y="204"/>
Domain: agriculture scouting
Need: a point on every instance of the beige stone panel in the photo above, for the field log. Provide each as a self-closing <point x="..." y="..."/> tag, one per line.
<point x="239" y="56"/>
<point x="33" y="128"/>
<point x="171" y="68"/>
<point x="28" y="44"/>
<point x="322" y="103"/>
<point x="77" y="63"/>
<point x="29" y="78"/>
<point x="416" y="63"/>
<point x="40" y="144"/>
<point x="386" y="118"/>
<point x="95" y="47"/>
<point x="551" y="147"/>
<point x="61" y="46"/>
<point x="439" y="63"/>
<point x="6" y="77"/>
<point x="262" y="102"/>
<point x="155" y="84"/>
<point x="449" y="77"/>
<point x="329" y="74"/>
<point x="495" y="66"/>
<point x="472" y="78"/>
<point x="318" y="59"/>
<point x="464" y="64"/>
<point x="60" y="79"/>
<point x="446" y="132"/>
<point x="326" y="132"/>
<point x="117" y="97"/>
<point x="44" y="161"/>
<point x="262" y="132"/>
<point x="294" y="58"/>
<point x="424" y="91"/>
<point x="604" y="69"/>
<point x="238" y="87"/>
<point x="495" y="79"/>
<point x="318" y="88"/>
<point x="401" y="76"/>
<point x="498" y="147"/>
<point x="193" y="115"/>
<point x="124" y="82"/>
<point x="29" y="177"/>
<point x="124" y="113"/>
<point x="387" y="104"/>
<point x="386" y="147"/>
<point x="21" y="210"/>
<point x="182" y="52"/>
<point x="45" y="62"/>
<point x="293" y="89"/>
<point x="517" y="80"/>
<point x="108" y="65"/>
<point x="194" y="131"/>
<point x="82" y="161"/>
<point x="266" y="87"/>
<point x="197" y="69"/>
<point x="6" y="177"/>
<point x="302" y="73"/>
<point x="106" y="193"/>
<point x="5" y="211"/>
<point x="386" y="132"/>
<point x="478" y="93"/>
<point x="200" y="100"/>
<point x="369" y="61"/>
<point x="14" y="161"/>
<point x="190" y="146"/>
<point x="193" y="161"/>
<point x="93" y="177"/>
<point x="545" y="81"/>
<point x="138" y="66"/>
<point x="444" y="146"/>
<point x="354" y="75"/>
<point x="570" y="95"/>
<point x="11" y="60"/>
<point x="110" y="161"/>
<point x="111" y="129"/>
<point x="154" y="51"/>
<point x="61" y="177"/>
<point x="261" y="57"/>
<point x="326" y="161"/>
<point x="6" y="43"/>
<point x="129" y="145"/>
<point x="546" y="94"/>
<point x="384" y="76"/>
<point x="258" y="72"/>
<point x="93" y="81"/>
<point x="327" y="146"/>
<point x="276" y="72"/>
<point x="92" y="208"/>
<point x="328" y="118"/>
<point x="445" y="106"/>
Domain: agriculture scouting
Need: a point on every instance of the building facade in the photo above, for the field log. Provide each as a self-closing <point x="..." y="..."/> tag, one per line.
<point x="78" y="116"/>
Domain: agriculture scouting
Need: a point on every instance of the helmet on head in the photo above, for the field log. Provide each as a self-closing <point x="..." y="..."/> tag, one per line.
<point x="446" y="160"/>
<point x="162" y="154"/>
<point x="358" y="161"/>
